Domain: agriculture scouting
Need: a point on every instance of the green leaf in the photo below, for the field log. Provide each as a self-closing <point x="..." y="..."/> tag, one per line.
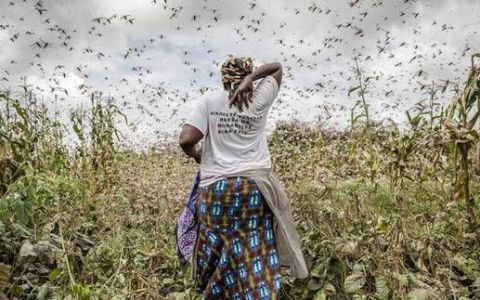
<point x="320" y="295"/>
<point x="168" y="281"/>
<point x="423" y="294"/>
<point x="54" y="274"/>
<point x="382" y="224"/>
<point x="314" y="284"/>
<point x="355" y="282"/>
<point x="43" y="292"/>
<point x="381" y="285"/>
<point x="21" y="214"/>
<point x="466" y="266"/>
<point x="4" y="275"/>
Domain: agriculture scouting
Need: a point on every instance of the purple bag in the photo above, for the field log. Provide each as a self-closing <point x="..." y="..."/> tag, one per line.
<point x="187" y="224"/>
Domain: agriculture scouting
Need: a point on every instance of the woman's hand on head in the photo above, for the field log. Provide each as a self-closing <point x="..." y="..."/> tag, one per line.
<point x="243" y="93"/>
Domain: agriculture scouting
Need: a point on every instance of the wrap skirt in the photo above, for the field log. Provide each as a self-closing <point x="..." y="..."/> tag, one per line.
<point x="235" y="248"/>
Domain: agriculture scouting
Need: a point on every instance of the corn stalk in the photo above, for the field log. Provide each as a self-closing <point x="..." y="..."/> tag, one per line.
<point x="461" y="119"/>
<point x="371" y="154"/>
<point x="102" y="147"/>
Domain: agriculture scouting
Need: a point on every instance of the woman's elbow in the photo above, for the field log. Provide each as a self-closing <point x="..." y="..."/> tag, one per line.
<point x="183" y="142"/>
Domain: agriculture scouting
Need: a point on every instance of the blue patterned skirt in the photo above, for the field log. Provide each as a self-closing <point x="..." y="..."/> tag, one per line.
<point x="236" y="254"/>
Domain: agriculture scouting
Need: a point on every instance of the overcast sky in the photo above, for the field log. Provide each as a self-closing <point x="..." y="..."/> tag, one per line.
<point x="157" y="57"/>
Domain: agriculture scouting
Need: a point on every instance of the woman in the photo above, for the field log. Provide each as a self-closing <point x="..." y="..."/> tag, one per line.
<point x="246" y="229"/>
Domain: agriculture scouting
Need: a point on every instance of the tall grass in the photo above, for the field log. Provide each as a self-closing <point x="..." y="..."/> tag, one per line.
<point x="378" y="210"/>
<point x="40" y="179"/>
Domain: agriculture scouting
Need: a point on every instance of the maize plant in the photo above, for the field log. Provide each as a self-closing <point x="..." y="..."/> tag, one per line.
<point x="102" y="148"/>
<point x="18" y="141"/>
<point x="402" y="151"/>
<point x="422" y="136"/>
<point x="371" y="154"/>
<point x="461" y="119"/>
<point x="362" y="90"/>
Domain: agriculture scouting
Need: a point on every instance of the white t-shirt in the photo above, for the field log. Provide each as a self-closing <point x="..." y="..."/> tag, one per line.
<point x="234" y="141"/>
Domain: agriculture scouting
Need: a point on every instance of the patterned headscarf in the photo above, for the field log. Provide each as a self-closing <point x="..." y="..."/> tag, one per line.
<point x="233" y="70"/>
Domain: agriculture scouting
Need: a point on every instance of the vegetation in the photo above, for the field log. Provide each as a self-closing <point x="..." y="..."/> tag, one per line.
<point x="382" y="213"/>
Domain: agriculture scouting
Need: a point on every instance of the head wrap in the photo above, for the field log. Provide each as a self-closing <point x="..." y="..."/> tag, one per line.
<point x="233" y="70"/>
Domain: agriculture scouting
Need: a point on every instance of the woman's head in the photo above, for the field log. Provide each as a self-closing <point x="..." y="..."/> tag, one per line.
<point x="233" y="70"/>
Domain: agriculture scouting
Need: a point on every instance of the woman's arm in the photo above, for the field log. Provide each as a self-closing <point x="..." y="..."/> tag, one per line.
<point x="274" y="69"/>
<point x="243" y="94"/>
<point x="189" y="142"/>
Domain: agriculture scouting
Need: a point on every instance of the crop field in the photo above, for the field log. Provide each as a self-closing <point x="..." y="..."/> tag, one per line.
<point x="382" y="214"/>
